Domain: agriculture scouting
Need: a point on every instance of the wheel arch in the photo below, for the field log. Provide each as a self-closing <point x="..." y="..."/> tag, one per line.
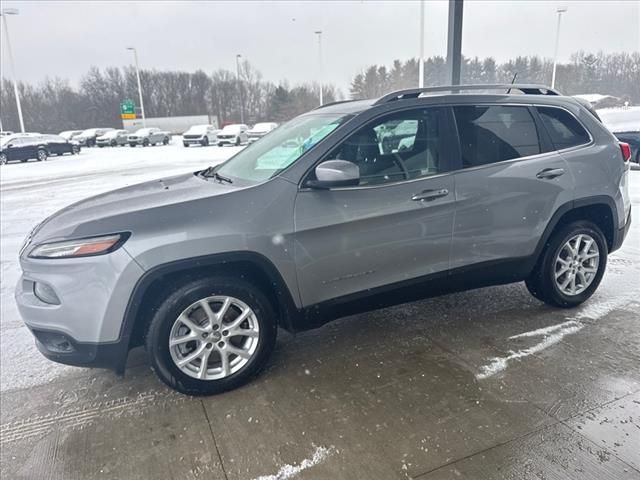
<point x="601" y="210"/>
<point x="156" y="282"/>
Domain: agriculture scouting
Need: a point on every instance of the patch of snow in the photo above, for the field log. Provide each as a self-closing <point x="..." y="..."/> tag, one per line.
<point x="551" y="336"/>
<point x="290" y="471"/>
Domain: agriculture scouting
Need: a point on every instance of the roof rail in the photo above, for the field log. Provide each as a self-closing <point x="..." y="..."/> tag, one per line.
<point x="333" y="103"/>
<point x="527" y="89"/>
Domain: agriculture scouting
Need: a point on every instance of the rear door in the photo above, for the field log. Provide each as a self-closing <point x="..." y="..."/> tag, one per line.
<point x="394" y="226"/>
<point x="509" y="184"/>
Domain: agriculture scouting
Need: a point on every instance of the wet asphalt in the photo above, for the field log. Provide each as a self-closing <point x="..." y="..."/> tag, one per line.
<point x="486" y="384"/>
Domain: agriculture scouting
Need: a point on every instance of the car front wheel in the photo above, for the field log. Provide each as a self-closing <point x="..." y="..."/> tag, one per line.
<point x="571" y="267"/>
<point x="41" y="155"/>
<point x="3" y="158"/>
<point x="211" y="335"/>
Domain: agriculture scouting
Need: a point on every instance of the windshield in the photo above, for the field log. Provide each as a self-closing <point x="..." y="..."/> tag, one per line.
<point x="281" y="148"/>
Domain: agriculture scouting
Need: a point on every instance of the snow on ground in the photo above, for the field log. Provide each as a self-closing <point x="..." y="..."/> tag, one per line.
<point x="29" y="192"/>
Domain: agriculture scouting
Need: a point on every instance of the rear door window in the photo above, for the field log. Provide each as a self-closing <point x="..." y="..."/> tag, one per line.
<point x="490" y="134"/>
<point x="563" y="128"/>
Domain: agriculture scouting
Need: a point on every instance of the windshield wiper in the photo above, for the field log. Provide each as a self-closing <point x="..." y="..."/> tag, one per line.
<point x="210" y="172"/>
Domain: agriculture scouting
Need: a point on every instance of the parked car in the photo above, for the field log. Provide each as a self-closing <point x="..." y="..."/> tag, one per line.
<point x="57" y="145"/>
<point x="200" y="135"/>
<point x="317" y="221"/>
<point x="235" y="134"/>
<point x="149" y="136"/>
<point x="113" y="138"/>
<point x="88" y="137"/>
<point x="23" y="148"/>
<point x="70" y="134"/>
<point x="259" y="130"/>
<point x="624" y="123"/>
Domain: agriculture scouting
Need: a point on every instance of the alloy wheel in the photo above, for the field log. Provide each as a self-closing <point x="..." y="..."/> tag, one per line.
<point x="214" y="338"/>
<point x="576" y="264"/>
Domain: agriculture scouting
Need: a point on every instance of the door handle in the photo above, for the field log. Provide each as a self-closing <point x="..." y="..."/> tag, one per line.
<point x="550" y="173"/>
<point x="428" y="195"/>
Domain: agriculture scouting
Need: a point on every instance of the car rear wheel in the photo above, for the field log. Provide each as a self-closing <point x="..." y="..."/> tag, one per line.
<point x="145" y="142"/>
<point x="571" y="267"/>
<point x="211" y="335"/>
<point x="41" y="155"/>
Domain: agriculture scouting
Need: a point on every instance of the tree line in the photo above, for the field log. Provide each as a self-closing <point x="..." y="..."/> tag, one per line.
<point x="616" y="74"/>
<point x="55" y="105"/>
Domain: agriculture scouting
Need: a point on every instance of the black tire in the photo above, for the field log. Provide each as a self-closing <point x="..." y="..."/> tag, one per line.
<point x="145" y="142"/>
<point x="237" y="141"/>
<point x="3" y="158"/>
<point x="185" y="144"/>
<point x="75" y="150"/>
<point x="133" y="145"/>
<point x="165" y="141"/>
<point x="542" y="283"/>
<point x="41" y="155"/>
<point x="114" y="143"/>
<point x="205" y="141"/>
<point x="158" y="333"/>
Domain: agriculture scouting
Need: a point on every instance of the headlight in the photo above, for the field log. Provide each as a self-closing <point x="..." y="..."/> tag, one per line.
<point x="82" y="247"/>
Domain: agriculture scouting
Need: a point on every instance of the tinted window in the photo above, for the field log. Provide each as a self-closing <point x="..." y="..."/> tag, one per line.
<point x="490" y="134"/>
<point x="564" y="129"/>
<point x="400" y="146"/>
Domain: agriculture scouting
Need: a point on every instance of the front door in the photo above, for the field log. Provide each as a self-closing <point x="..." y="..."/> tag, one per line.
<point x="395" y="225"/>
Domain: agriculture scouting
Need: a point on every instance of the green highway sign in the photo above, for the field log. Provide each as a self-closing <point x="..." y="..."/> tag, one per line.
<point x="127" y="107"/>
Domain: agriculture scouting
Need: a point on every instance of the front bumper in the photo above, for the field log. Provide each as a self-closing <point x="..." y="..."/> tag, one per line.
<point x="193" y="141"/>
<point x="227" y="141"/>
<point x="85" y="326"/>
<point x="61" y="348"/>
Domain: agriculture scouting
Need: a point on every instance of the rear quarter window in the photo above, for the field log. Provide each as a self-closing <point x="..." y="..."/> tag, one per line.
<point x="563" y="128"/>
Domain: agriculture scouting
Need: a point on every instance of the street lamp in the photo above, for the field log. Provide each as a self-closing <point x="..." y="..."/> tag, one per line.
<point x="319" y="34"/>
<point x="238" y="57"/>
<point x="560" y="11"/>
<point x="135" y="57"/>
<point x="4" y="13"/>
<point x="421" y="66"/>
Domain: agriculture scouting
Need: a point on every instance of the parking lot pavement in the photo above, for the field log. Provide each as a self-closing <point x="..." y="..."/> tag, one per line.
<point x="487" y="384"/>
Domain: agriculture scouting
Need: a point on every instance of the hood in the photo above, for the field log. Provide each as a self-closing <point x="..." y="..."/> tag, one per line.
<point x="120" y="210"/>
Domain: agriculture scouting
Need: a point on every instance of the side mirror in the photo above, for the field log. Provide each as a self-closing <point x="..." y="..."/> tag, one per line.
<point x="335" y="173"/>
<point x="10" y="145"/>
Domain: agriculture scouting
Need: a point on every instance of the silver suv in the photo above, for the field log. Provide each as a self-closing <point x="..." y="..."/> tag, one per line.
<point x="351" y="207"/>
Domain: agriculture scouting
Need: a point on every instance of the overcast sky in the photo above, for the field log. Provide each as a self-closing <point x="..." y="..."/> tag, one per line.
<point x="64" y="38"/>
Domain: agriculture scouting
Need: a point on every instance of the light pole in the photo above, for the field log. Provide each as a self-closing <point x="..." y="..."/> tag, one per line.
<point x="238" y="57"/>
<point x="4" y="13"/>
<point x="421" y="66"/>
<point x="135" y="57"/>
<point x="319" y="34"/>
<point x="560" y="11"/>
